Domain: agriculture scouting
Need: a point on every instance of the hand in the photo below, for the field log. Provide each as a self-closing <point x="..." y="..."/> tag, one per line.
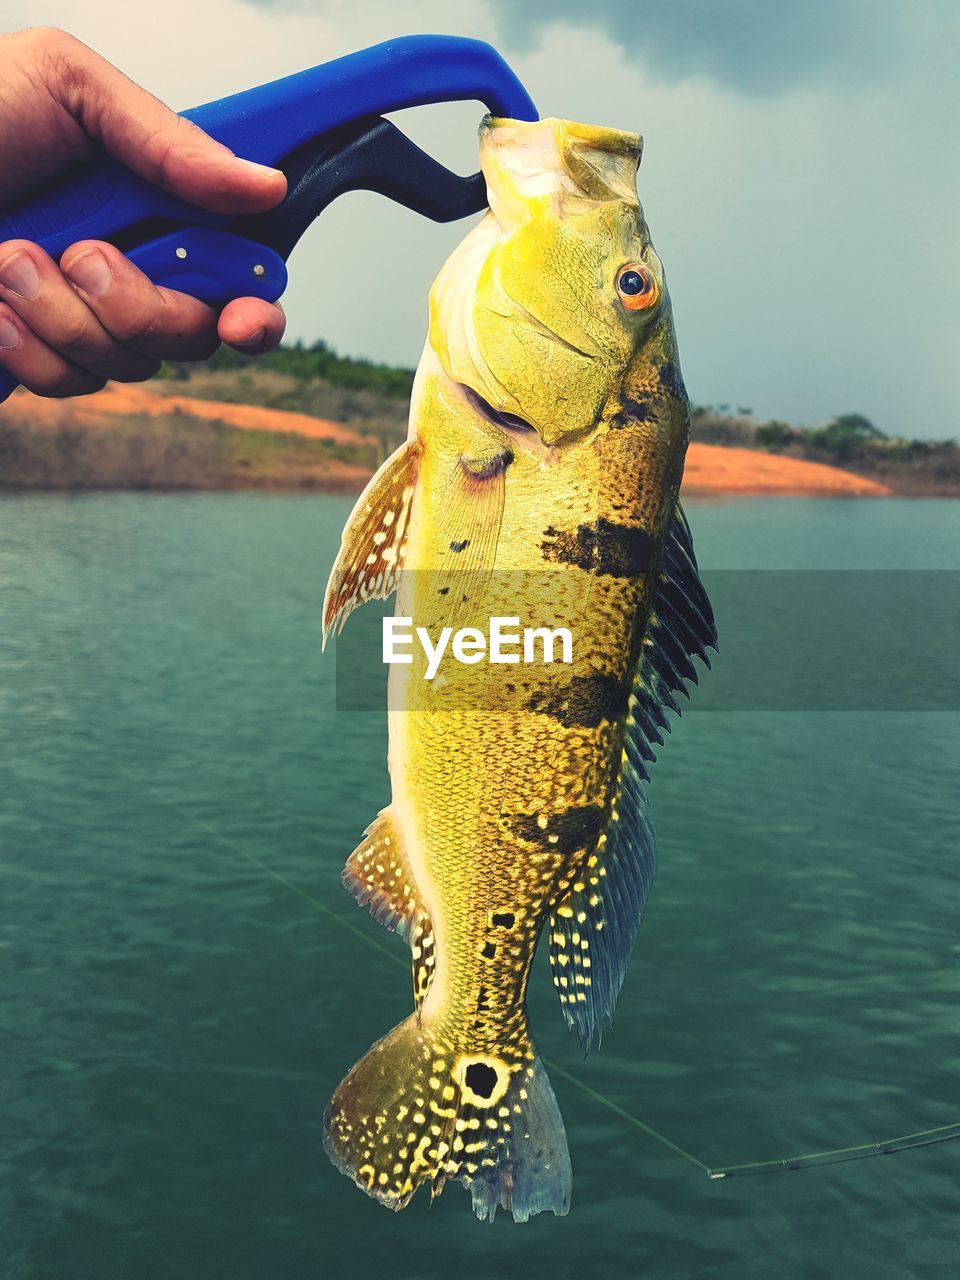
<point x="65" y="329"/>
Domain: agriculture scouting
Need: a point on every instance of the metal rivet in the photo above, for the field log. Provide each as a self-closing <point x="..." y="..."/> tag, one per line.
<point x="259" y="269"/>
<point x="181" y="253"/>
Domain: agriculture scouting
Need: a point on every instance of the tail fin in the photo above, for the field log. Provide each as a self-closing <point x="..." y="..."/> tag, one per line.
<point x="413" y="1111"/>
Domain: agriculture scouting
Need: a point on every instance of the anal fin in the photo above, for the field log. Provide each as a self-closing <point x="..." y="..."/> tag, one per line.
<point x="378" y="875"/>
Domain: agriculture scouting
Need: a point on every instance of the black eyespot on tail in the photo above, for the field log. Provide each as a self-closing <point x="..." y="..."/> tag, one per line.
<point x="481" y="1079"/>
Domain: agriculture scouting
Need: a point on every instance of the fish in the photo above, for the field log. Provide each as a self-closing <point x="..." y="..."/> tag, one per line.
<point x="539" y="480"/>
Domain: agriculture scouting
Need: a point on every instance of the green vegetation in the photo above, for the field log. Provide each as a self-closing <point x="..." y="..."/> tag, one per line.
<point x="307" y="364"/>
<point x="850" y="441"/>
<point x="372" y="399"/>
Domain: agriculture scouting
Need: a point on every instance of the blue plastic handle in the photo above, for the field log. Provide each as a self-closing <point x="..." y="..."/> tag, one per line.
<point x="268" y="122"/>
<point x="263" y="124"/>
<point x="212" y="265"/>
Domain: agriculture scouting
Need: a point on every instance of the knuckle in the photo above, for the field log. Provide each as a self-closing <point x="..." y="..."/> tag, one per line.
<point x="53" y="37"/>
<point x="55" y="46"/>
<point x="62" y="62"/>
<point x="134" y="329"/>
<point x="73" y="336"/>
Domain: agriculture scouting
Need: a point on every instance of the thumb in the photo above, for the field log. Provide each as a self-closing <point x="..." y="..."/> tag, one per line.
<point x="146" y="136"/>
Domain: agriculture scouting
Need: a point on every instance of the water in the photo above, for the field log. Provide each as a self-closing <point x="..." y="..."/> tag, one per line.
<point x="174" y="1018"/>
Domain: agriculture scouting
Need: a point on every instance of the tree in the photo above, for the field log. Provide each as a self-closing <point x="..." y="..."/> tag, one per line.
<point x="774" y="435"/>
<point x="846" y="436"/>
<point x="856" y="424"/>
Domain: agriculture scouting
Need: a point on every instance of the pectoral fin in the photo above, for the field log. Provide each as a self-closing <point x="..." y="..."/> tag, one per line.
<point x="465" y="540"/>
<point x="592" y="931"/>
<point x="372" y="544"/>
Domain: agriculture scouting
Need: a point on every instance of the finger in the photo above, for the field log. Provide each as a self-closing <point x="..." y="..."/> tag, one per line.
<point x="252" y="326"/>
<point x="146" y="136"/>
<point x="157" y="323"/>
<point x="35" y="365"/>
<point x="33" y="286"/>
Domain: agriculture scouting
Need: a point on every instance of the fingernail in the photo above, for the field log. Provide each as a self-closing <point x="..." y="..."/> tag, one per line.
<point x="9" y="334"/>
<point x="91" y="272"/>
<point x="253" y="341"/>
<point x="20" y="275"/>
<point x="258" y="168"/>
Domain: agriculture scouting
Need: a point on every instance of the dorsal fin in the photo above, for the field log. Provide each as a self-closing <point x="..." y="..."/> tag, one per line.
<point x="592" y="932"/>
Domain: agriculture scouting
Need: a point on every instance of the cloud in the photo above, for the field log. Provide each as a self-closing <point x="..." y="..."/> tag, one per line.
<point x="805" y="209"/>
<point x="753" y="46"/>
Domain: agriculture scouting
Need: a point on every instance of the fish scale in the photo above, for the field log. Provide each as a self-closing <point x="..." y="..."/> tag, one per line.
<point x="517" y="790"/>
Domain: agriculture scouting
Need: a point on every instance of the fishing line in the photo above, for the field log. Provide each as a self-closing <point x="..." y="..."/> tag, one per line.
<point x="810" y="1160"/>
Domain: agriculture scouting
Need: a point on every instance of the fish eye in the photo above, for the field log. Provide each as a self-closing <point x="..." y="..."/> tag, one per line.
<point x="637" y="287"/>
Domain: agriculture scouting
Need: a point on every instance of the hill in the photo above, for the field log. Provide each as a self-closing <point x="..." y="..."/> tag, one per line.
<point x="372" y="398"/>
<point x="306" y="417"/>
<point x="143" y="438"/>
<point x="133" y="438"/>
<point x="851" y="441"/>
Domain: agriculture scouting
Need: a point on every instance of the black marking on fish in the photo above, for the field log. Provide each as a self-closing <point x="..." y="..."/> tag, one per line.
<point x="622" y="550"/>
<point x="566" y="831"/>
<point x="442" y="591"/>
<point x="503" y="919"/>
<point x="585" y="702"/>
<point x="485" y="468"/>
<point x="460" y="546"/>
<point x="671" y="381"/>
<point x="632" y="412"/>
<point x="488" y="950"/>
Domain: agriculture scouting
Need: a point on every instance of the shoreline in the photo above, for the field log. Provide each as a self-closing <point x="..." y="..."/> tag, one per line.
<point x="142" y="439"/>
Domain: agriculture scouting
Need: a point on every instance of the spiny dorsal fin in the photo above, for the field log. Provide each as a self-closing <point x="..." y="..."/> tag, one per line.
<point x="372" y="543"/>
<point x="593" y="931"/>
<point x="378" y="875"/>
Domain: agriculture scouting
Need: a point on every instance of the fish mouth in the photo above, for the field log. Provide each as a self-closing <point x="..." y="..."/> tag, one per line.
<point x="510" y="422"/>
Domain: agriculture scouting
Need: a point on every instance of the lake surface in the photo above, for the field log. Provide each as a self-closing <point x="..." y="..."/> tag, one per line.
<point x="185" y="981"/>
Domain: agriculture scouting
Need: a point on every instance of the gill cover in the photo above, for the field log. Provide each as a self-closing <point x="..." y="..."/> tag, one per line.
<point x="528" y="311"/>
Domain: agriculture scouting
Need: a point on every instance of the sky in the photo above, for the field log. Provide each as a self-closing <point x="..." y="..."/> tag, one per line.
<point x="800" y="173"/>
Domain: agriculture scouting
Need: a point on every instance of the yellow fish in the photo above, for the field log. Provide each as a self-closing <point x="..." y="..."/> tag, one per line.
<point x="539" y="484"/>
